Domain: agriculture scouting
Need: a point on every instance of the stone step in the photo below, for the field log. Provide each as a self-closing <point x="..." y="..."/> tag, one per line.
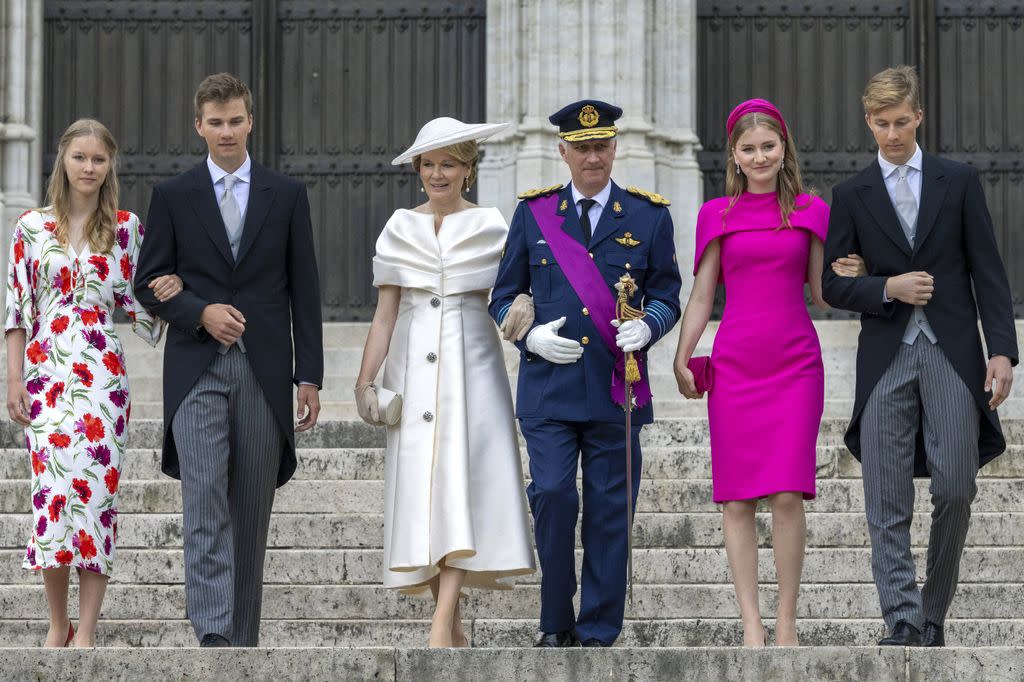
<point x="148" y="433"/>
<point x="165" y="635"/>
<point x="688" y="462"/>
<point x="678" y="432"/>
<point x="158" y="602"/>
<point x="658" y="495"/>
<point x="671" y="530"/>
<point x="650" y="566"/>
<point x="387" y="664"/>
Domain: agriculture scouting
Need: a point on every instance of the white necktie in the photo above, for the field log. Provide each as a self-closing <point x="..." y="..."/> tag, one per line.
<point x="231" y="214"/>
<point x="905" y="204"/>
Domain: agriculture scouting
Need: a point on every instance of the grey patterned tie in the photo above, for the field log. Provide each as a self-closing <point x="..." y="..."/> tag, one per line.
<point x="231" y="214"/>
<point x="905" y="204"/>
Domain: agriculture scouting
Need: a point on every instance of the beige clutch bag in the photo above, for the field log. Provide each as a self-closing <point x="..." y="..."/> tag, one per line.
<point x="389" y="404"/>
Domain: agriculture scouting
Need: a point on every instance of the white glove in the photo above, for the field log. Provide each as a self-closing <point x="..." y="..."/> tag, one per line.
<point x="519" y="318"/>
<point x="633" y="335"/>
<point x="545" y="342"/>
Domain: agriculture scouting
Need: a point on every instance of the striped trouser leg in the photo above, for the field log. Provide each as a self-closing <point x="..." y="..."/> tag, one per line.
<point x="951" y="428"/>
<point x="201" y="437"/>
<point x="256" y="445"/>
<point x="888" y="433"/>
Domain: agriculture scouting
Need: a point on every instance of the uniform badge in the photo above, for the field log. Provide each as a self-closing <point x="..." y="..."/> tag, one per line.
<point x="617" y="207"/>
<point x="627" y="240"/>
<point x="589" y="117"/>
<point x="564" y="205"/>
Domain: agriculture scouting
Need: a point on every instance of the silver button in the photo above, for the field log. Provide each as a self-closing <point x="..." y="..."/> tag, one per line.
<point x="435" y="301"/>
<point x="428" y="417"/>
<point x="431" y="357"/>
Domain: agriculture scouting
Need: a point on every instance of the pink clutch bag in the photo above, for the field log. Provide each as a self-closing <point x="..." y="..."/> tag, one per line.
<point x="703" y="376"/>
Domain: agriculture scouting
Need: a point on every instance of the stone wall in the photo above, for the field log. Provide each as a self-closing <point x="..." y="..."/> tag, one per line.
<point x="639" y="55"/>
<point x="21" y="105"/>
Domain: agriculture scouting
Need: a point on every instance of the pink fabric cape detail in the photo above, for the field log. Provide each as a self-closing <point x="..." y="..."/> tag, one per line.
<point x="756" y="212"/>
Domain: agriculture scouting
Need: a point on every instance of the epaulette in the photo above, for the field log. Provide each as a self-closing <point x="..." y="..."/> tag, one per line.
<point x="534" y="193"/>
<point x="652" y="197"/>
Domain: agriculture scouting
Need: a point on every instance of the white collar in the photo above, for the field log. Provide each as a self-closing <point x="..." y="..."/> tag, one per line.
<point x="915" y="162"/>
<point x="601" y="197"/>
<point x="243" y="173"/>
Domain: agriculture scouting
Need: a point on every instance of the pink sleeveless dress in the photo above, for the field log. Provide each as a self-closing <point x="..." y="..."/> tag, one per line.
<point x="766" y="402"/>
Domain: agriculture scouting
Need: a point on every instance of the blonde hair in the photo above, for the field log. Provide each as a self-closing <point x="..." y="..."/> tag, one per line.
<point x="101" y="227"/>
<point x="892" y="87"/>
<point x="790" y="183"/>
<point x="465" y="152"/>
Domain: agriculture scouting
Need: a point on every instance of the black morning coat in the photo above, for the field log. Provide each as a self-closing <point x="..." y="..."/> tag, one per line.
<point x="274" y="283"/>
<point x="956" y="244"/>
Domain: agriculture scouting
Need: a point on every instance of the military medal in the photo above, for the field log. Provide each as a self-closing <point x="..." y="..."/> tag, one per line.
<point x="627" y="240"/>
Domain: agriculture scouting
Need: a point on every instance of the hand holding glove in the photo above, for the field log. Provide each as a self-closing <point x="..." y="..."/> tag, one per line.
<point x="633" y="335"/>
<point x="366" y="403"/>
<point x="545" y="342"/>
<point x="519" y="318"/>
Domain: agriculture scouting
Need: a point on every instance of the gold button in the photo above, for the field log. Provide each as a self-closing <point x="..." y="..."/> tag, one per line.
<point x="591" y="256"/>
<point x="628" y="266"/>
<point x="586" y="312"/>
<point x="543" y="261"/>
<point x="585" y="340"/>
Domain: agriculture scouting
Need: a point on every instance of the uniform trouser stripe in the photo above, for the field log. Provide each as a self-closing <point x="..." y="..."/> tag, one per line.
<point x="229" y="449"/>
<point x="920" y="387"/>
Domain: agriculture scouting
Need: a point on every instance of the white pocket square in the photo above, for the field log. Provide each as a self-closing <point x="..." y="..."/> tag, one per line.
<point x="541" y="241"/>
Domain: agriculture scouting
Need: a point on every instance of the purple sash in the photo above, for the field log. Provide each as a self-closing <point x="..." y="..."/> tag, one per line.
<point x="588" y="283"/>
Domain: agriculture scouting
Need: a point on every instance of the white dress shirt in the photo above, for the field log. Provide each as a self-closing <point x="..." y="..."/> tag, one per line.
<point x="595" y="211"/>
<point x="241" y="187"/>
<point x="914" y="174"/>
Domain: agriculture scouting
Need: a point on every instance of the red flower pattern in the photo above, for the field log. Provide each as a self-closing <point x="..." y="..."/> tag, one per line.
<point x="111" y="479"/>
<point x="83" y="373"/>
<point x="60" y="440"/>
<point x="101" y="265"/>
<point x="64" y="557"/>
<point x="93" y="428"/>
<point x="86" y="545"/>
<point x="82" y="489"/>
<point x="113" y="363"/>
<point x="55" y="392"/>
<point x="59" y="324"/>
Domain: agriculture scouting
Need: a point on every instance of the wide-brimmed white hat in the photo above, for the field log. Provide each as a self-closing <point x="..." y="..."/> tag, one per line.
<point x="445" y="131"/>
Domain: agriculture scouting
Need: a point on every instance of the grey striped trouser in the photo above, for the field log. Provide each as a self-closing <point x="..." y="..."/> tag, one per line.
<point x="229" y="449"/>
<point x="919" y="387"/>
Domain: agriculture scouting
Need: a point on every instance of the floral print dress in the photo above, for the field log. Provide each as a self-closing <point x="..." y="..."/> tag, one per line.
<point x="75" y="373"/>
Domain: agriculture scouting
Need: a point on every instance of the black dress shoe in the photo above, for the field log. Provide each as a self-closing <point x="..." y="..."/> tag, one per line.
<point x="932" y="635"/>
<point x="212" y="639"/>
<point x="556" y="640"/>
<point x="593" y="642"/>
<point x="904" y="634"/>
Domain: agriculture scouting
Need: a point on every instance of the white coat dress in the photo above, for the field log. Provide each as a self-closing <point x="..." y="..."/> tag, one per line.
<point x="453" y="476"/>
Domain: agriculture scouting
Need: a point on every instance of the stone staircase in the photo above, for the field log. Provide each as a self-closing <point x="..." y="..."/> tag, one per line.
<point x="323" y="567"/>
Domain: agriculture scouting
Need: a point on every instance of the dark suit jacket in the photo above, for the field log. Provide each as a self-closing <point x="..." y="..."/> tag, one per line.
<point x="274" y="283"/>
<point x="956" y="244"/>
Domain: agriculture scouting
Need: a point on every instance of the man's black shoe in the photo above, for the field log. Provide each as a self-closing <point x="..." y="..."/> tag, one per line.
<point x="904" y="634"/>
<point x="213" y="639"/>
<point x="555" y="640"/>
<point x="932" y="635"/>
<point x="593" y="642"/>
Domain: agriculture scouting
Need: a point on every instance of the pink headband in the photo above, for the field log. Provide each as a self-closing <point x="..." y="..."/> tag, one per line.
<point x="755" y="106"/>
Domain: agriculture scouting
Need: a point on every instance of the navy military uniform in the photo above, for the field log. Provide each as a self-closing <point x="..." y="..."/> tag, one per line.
<point x="566" y="412"/>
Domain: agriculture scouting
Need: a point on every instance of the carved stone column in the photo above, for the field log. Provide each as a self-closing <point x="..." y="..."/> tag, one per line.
<point x="21" y="80"/>
<point x="638" y="55"/>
